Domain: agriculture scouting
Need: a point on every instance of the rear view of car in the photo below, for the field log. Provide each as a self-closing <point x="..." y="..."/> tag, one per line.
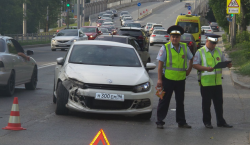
<point x="136" y="25"/>
<point x="159" y="37"/>
<point x="154" y="26"/>
<point x="148" y="26"/>
<point x="190" y="41"/>
<point x="214" y="26"/>
<point x="206" y="29"/>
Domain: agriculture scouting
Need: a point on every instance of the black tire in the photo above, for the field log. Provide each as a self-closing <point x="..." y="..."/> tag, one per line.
<point x="33" y="82"/>
<point x="53" y="49"/>
<point x="10" y="88"/>
<point x="151" y="44"/>
<point x="54" y="97"/>
<point x="145" y="116"/>
<point x="62" y="99"/>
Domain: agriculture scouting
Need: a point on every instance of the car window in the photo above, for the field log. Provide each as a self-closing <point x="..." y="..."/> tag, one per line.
<point x="18" y="47"/>
<point x="115" y="39"/>
<point x="11" y="47"/>
<point x="104" y="30"/>
<point x="205" y="27"/>
<point x="2" y="45"/>
<point x="133" y="25"/>
<point x="130" y="32"/>
<point x="106" y="55"/>
<point x="160" y="32"/>
<point x="157" y="26"/>
<point x="88" y="29"/>
<point x="68" y="33"/>
<point x="189" y="27"/>
<point x="100" y="21"/>
<point x="137" y="46"/>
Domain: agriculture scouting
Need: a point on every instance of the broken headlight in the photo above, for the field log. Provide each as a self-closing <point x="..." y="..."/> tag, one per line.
<point x="77" y="83"/>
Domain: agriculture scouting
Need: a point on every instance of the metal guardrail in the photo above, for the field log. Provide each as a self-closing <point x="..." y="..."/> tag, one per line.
<point x="31" y="37"/>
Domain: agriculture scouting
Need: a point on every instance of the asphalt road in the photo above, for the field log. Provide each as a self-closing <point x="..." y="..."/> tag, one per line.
<point x="46" y="128"/>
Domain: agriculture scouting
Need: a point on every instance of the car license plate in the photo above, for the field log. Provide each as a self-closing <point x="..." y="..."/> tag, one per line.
<point x="111" y="97"/>
<point x="159" y="40"/>
<point x="62" y="44"/>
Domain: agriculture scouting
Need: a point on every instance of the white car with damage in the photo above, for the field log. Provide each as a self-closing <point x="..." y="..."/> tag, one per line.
<point x="99" y="77"/>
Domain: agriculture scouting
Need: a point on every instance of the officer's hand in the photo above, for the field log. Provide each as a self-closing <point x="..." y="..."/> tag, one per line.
<point x="159" y="83"/>
<point x="187" y="72"/>
<point x="229" y="65"/>
<point x="210" y="69"/>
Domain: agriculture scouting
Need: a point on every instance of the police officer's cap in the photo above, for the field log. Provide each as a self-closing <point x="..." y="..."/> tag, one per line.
<point x="213" y="38"/>
<point x="175" y="30"/>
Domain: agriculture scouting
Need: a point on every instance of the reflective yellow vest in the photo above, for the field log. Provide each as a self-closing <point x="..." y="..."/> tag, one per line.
<point x="176" y="63"/>
<point x="208" y="60"/>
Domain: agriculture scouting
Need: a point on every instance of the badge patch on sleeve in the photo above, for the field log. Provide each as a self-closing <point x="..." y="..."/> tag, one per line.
<point x="161" y="52"/>
<point x="218" y="58"/>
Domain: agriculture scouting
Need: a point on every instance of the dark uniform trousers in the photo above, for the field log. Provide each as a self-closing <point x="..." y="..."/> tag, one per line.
<point x="171" y="86"/>
<point x="208" y="94"/>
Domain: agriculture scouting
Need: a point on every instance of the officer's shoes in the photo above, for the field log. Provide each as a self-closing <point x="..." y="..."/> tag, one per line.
<point x="225" y="125"/>
<point x="160" y="126"/>
<point x="184" y="126"/>
<point x="209" y="126"/>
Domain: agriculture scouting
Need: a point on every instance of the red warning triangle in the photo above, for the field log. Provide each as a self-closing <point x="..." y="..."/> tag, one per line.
<point x="233" y="3"/>
<point x="100" y="136"/>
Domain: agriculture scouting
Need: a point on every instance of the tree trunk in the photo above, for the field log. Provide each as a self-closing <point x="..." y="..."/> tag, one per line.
<point x="243" y="26"/>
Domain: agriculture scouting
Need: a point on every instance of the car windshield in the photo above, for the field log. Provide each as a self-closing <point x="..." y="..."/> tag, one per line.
<point x="112" y="27"/>
<point x="128" y="32"/>
<point x="104" y="30"/>
<point x="133" y="25"/>
<point x="109" y="29"/>
<point x="109" y="12"/>
<point x="100" y="21"/>
<point x="161" y="32"/>
<point x="106" y="15"/>
<point x="186" y="37"/>
<point x="115" y="39"/>
<point x="105" y="24"/>
<point x="67" y="33"/>
<point x="2" y="45"/>
<point x="127" y="19"/>
<point x="157" y="26"/>
<point x="205" y="27"/>
<point x="104" y="55"/>
<point x="114" y="11"/>
<point x="189" y="27"/>
<point x="123" y="13"/>
<point x="88" y="29"/>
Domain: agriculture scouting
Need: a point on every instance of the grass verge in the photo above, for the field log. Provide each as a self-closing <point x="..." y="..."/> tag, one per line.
<point x="240" y="55"/>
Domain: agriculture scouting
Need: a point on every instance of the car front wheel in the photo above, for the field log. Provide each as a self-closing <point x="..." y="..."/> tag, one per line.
<point x="61" y="100"/>
<point x="33" y="82"/>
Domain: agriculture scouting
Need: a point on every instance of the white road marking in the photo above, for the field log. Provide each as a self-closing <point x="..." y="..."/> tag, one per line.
<point x="47" y="65"/>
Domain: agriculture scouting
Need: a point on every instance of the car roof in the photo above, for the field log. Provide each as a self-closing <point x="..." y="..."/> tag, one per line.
<point x="157" y="24"/>
<point x="130" y="28"/>
<point x="101" y="42"/>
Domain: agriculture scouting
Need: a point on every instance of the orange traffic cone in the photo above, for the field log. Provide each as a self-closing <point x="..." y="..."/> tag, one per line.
<point x="14" y="121"/>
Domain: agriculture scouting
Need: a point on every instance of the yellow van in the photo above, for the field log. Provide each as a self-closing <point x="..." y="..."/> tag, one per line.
<point x="191" y="24"/>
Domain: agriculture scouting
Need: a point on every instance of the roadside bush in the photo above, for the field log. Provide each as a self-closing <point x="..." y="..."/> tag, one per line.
<point x="224" y="38"/>
<point x="242" y="37"/>
<point x="245" y="69"/>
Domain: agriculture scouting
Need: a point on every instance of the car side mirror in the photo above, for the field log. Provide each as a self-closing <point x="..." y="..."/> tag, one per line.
<point x="30" y="52"/>
<point x="150" y="66"/>
<point x="60" y="61"/>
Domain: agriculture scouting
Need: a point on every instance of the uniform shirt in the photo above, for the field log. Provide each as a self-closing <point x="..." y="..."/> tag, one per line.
<point x="162" y="56"/>
<point x="197" y="57"/>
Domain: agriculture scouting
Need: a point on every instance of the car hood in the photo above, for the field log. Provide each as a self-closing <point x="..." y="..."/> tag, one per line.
<point x="88" y="34"/>
<point x="101" y="74"/>
<point x="65" y="37"/>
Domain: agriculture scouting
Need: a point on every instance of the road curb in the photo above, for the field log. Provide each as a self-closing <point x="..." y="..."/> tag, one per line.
<point x="234" y="76"/>
<point x="34" y="46"/>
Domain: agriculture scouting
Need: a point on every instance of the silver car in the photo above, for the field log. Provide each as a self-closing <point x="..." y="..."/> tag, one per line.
<point x="64" y="38"/>
<point x="159" y="37"/>
<point x="105" y="31"/>
<point x="14" y="69"/>
<point x="123" y="13"/>
<point x="127" y="20"/>
<point x="153" y="26"/>
<point x="148" y="26"/>
<point x="99" y="77"/>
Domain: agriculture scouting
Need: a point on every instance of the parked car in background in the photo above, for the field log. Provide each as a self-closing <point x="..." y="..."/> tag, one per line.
<point x="190" y="41"/>
<point x="131" y="24"/>
<point x="214" y="26"/>
<point x="14" y="68"/>
<point x="152" y="28"/>
<point x="145" y="57"/>
<point x="138" y="33"/>
<point x="206" y="29"/>
<point x="123" y="13"/>
<point x="91" y="31"/>
<point x="159" y="37"/>
<point x="64" y="38"/>
<point x="148" y="26"/>
<point x="114" y="12"/>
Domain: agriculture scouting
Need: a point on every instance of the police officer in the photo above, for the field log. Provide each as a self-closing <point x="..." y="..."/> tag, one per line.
<point x="173" y="56"/>
<point x="210" y="80"/>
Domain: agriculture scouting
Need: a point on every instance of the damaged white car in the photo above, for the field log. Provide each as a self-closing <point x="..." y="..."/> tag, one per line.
<point x="103" y="77"/>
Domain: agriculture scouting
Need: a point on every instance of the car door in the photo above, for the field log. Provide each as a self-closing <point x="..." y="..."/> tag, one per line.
<point x="26" y="66"/>
<point x="16" y="63"/>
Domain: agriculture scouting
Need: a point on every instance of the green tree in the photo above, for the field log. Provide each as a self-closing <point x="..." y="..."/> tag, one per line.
<point x="244" y="16"/>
